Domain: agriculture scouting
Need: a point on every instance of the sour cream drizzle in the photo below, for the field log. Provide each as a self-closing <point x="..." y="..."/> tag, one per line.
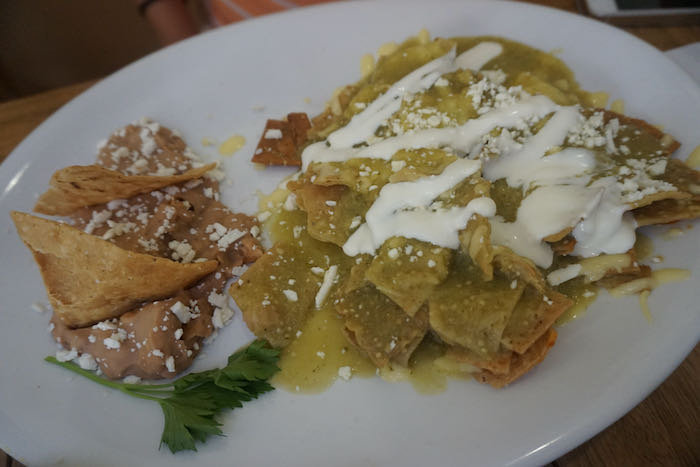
<point x="562" y="198"/>
<point x="364" y="124"/>
<point x="462" y="138"/>
<point x="559" y="197"/>
<point x="401" y="210"/>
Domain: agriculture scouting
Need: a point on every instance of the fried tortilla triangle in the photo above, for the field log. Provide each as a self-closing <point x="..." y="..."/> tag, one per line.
<point x="90" y="280"/>
<point x="78" y="186"/>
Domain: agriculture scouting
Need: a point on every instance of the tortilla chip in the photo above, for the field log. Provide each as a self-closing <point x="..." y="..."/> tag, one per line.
<point x="642" y="126"/>
<point x="564" y="246"/>
<point x="78" y="186"/>
<point x="659" y="196"/>
<point x="497" y="363"/>
<point x="521" y="364"/>
<point x="532" y="316"/>
<point x="408" y="279"/>
<point x="518" y="267"/>
<point x="665" y="211"/>
<point x="89" y="279"/>
<point x="330" y="210"/>
<point x="380" y="328"/>
<point x="331" y="117"/>
<point x="468" y="311"/>
<point x="555" y="237"/>
<point x="359" y="174"/>
<point x="282" y="140"/>
<point x="356" y="279"/>
<point x="475" y="240"/>
<point x="260" y="294"/>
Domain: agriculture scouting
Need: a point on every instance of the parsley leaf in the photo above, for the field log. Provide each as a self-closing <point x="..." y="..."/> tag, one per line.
<point x="192" y="403"/>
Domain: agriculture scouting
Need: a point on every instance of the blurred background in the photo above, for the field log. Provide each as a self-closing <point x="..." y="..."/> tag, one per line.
<point x="48" y="44"/>
<point x="45" y="44"/>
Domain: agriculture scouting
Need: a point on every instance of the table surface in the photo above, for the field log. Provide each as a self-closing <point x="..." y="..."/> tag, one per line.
<point x="664" y="429"/>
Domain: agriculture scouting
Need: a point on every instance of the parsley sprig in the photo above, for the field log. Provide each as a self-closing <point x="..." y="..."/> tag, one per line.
<point x="191" y="403"/>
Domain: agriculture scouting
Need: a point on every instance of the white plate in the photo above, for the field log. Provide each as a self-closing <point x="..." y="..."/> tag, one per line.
<point x="602" y="365"/>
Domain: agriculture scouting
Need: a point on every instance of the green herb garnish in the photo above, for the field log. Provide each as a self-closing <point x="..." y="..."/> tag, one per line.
<point x="191" y="403"/>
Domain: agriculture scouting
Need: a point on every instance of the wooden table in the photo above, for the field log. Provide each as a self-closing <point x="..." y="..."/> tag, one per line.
<point x="664" y="429"/>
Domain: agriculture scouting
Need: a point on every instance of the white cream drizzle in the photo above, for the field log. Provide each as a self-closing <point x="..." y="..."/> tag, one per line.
<point x="364" y="124"/>
<point x="478" y="56"/>
<point x="609" y="228"/>
<point x="401" y="210"/>
<point x="515" y="236"/>
<point x="559" y="193"/>
<point x="551" y="209"/>
<point x="462" y="138"/>
<point x="523" y="160"/>
<point x="421" y="192"/>
<point x="563" y="198"/>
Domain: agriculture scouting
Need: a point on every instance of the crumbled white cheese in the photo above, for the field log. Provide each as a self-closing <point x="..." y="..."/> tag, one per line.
<point x="497" y="76"/>
<point x="117" y="228"/>
<point x="589" y="132"/>
<point x="148" y="245"/>
<point x="116" y="204"/>
<point x="215" y="231"/>
<point x="111" y="342"/>
<point x="170" y="364"/>
<point x="290" y="204"/>
<point x="273" y="133"/>
<point x="182" y="251"/>
<point x="86" y="362"/>
<point x="222" y="313"/>
<point x="182" y="311"/>
<point x="291" y="295"/>
<point x="229" y="238"/>
<point x="138" y="166"/>
<point x="105" y="326"/>
<point x="488" y="95"/>
<point x="98" y="219"/>
<point x="397" y="165"/>
<point x="345" y="372"/>
<point x="66" y="355"/>
<point x="328" y="278"/>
